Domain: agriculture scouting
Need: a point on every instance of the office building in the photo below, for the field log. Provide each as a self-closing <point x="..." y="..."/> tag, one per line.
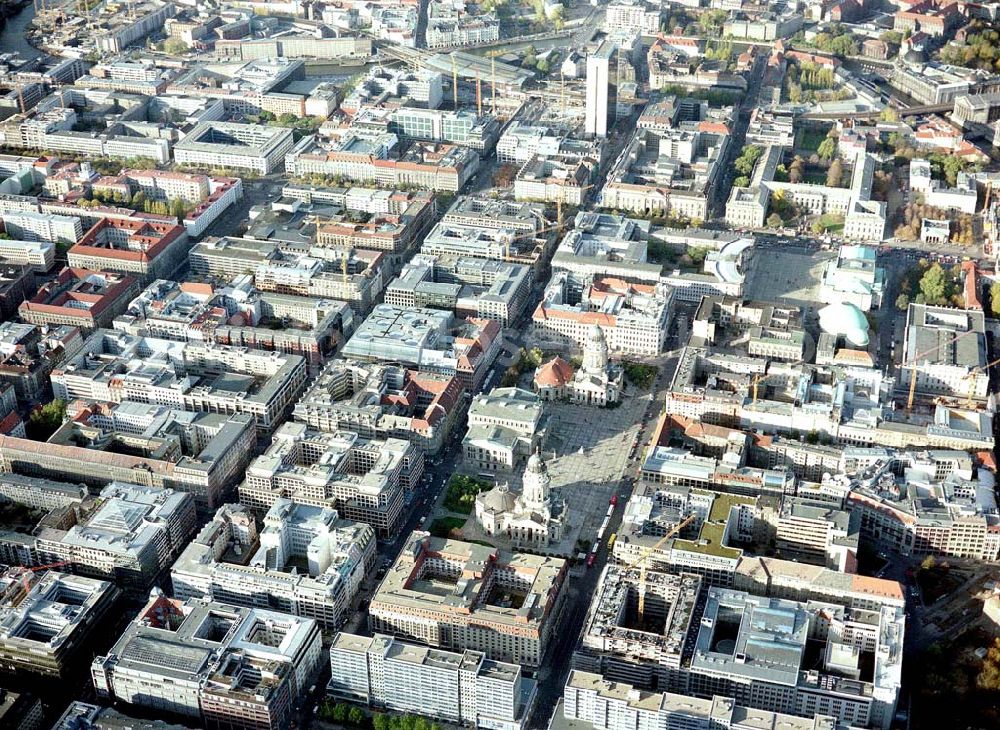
<point x="601" y="95"/>
<point x="28" y="353"/>
<point x="48" y="620"/>
<point x="80" y="298"/>
<point x="429" y="340"/>
<point x="945" y="350"/>
<point x="504" y="605"/>
<point x="114" y="367"/>
<point x="460" y="687"/>
<point x="468" y="286"/>
<point x="227" y="145"/>
<point x="130" y="537"/>
<point x="504" y="428"/>
<point x="145" y="249"/>
<point x="230" y="561"/>
<point x="39" y="255"/>
<point x="381" y="401"/>
<point x="222" y="665"/>
<point x="363" y="480"/>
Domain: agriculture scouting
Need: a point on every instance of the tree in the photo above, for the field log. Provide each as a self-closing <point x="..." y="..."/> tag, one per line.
<point x="795" y="170"/>
<point x="827" y="148"/>
<point x="745" y="163"/>
<point x="178" y="208"/>
<point x="928" y="563"/>
<point x="558" y="17"/>
<point x="902" y="302"/>
<point x="355" y="716"/>
<point x="174" y="46"/>
<point x="542" y="65"/>
<point x="835" y="174"/>
<point x="774" y="221"/>
<point x="935" y="286"/>
<point x="44" y="420"/>
<point x="989" y="676"/>
<point x="741" y="182"/>
<point x="995" y="299"/>
<point x="139" y="200"/>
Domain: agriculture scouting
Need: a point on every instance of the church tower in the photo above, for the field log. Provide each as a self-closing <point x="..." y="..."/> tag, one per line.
<point x="595" y="352"/>
<point x="536" y="481"/>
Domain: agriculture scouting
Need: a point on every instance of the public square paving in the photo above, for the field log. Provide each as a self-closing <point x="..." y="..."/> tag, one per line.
<point x="790" y="277"/>
<point x="586" y="451"/>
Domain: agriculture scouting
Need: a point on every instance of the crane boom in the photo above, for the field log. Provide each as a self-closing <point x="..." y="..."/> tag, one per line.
<point x="643" y="562"/>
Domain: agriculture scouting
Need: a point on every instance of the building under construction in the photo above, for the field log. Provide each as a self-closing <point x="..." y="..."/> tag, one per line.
<point x="638" y="626"/>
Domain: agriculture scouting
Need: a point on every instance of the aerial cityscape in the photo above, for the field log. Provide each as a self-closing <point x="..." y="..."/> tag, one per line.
<point x="505" y="364"/>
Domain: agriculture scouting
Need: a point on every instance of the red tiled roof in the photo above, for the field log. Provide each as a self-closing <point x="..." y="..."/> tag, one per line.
<point x="555" y="373"/>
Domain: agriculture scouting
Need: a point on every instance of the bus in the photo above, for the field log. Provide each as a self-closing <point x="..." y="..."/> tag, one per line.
<point x="611" y="540"/>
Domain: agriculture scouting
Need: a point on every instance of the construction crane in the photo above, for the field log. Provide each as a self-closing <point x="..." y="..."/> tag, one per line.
<point x="759" y="378"/>
<point x="971" y="377"/>
<point x="26" y="571"/>
<point x="916" y="359"/>
<point x="643" y="562"/>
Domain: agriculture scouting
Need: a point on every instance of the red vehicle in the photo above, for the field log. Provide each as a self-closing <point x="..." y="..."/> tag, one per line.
<point x="614" y="500"/>
<point x="590" y="559"/>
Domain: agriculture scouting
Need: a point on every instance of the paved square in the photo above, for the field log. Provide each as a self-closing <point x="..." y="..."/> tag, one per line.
<point x="586" y="451"/>
<point x="788" y="276"/>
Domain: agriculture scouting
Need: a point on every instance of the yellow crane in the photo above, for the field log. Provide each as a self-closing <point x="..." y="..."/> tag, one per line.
<point x="916" y="360"/>
<point x="971" y="377"/>
<point x="643" y="562"/>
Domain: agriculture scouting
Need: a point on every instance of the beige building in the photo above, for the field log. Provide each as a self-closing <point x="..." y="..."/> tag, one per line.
<point x="457" y="595"/>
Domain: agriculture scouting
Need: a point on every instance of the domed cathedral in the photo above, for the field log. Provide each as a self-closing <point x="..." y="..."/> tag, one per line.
<point x="534" y="518"/>
<point x="597" y="382"/>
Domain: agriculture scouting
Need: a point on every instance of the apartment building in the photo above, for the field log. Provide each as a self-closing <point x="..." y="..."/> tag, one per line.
<point x="591" y="700"/>
<point x="146" y="18"/>
<point x="461" y="687"/>
<point x="33" y="226"/>
<point x="231" y="561"/>
<point x="48" y="620"/>
<point x="474" y="615"/>
<point x="364" y="480"/>
<point x="239" y="315"/>
<point x="218" y="664"/>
